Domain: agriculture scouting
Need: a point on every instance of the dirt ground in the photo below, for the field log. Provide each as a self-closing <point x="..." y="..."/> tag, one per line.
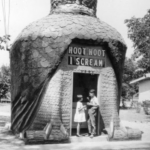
<point x="132" y="116"/>
<point x="5" y="107"/>
<point x="141" y="121"/>
<point x="125" y="114"/>
<point x="129" y="118"/>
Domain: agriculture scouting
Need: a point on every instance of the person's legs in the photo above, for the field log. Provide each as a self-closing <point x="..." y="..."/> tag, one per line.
<point x="78" y="128"/>
<point x="89" y="125"/>
<point x="93" y="122"/>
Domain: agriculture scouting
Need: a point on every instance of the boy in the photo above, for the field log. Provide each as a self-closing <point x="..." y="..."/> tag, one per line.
<point x="92" y="113"/>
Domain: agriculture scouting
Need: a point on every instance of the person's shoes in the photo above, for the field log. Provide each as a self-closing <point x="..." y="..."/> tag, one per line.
<point x="91" y="136"/>
<point x="78" y="135"/>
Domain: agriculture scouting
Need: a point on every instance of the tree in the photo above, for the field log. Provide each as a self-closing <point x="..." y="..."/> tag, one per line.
<point x="4" y="81"/>
<point x="4" y="41"/>
<point x="4" y="70"/>
<point x="129" y="90"/>
<point x="139" y="33"/>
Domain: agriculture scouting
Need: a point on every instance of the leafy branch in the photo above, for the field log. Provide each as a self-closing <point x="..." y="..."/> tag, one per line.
<point x="3" y="41"/>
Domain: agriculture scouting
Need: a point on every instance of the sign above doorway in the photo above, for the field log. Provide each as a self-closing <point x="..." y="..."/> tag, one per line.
<point x="79" y="55"/>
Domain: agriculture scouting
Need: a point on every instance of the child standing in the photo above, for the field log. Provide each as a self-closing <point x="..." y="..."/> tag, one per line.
<point x="80" y="113"/>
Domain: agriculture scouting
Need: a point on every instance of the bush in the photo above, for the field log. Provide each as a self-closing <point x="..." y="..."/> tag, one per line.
<point x="138" y="109"/>
<point x="146" y="106"/>
<point x="4" y="81"/>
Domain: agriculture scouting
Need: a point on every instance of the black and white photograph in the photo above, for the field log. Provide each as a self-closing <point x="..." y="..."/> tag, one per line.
<point x="74" y="74"/>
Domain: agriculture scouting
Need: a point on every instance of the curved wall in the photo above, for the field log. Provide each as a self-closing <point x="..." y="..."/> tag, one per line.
<point x="56" y="105"/>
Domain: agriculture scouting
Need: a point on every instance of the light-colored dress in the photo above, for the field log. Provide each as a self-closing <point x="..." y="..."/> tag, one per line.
<point x="79" y="115"/>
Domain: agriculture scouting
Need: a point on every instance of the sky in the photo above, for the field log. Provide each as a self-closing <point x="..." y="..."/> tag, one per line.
<point x="113" y="12"/>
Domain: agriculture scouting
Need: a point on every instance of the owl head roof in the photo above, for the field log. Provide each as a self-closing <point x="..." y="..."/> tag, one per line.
<point x="85" y="7"/>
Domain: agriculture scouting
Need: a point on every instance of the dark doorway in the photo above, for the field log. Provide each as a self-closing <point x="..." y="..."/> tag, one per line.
<point x="82" y="83"/>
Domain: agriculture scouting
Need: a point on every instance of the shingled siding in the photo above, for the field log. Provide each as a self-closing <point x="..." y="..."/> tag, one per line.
<point x="56" y="104"/>
<point x="108" y="97"/>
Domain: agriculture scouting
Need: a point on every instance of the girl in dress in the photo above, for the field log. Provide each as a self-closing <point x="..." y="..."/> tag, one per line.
<point x="80" y="113"/>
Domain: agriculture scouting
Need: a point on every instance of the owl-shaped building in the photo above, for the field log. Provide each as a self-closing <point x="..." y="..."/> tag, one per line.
<point x="58" y="57"/>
